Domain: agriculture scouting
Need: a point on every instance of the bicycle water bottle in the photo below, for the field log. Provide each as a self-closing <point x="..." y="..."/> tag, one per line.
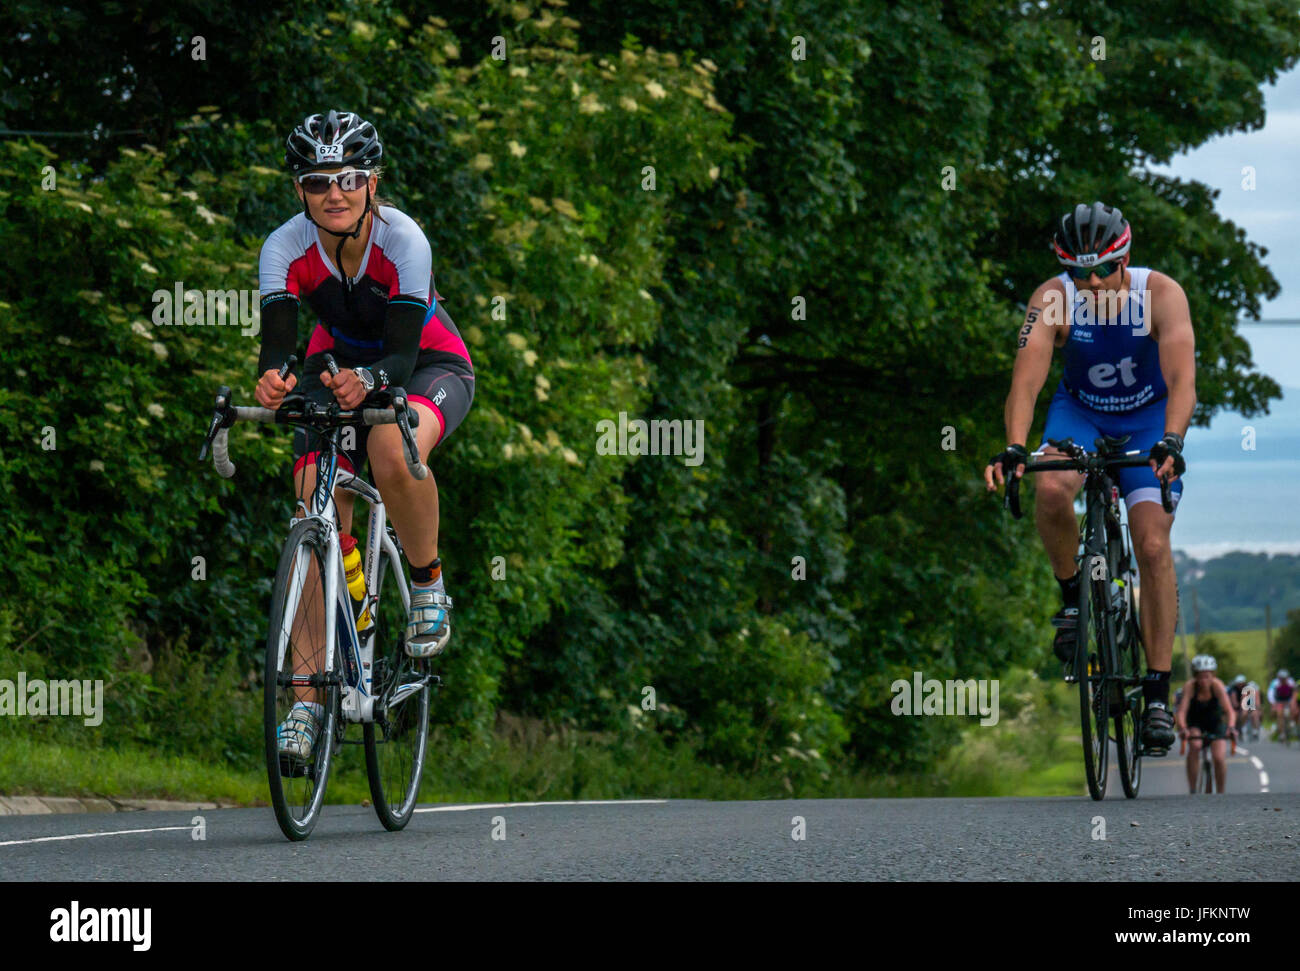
<point x="356" y="582"/>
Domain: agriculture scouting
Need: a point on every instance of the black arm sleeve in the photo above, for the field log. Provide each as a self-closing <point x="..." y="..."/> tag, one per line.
<point x="279" y="330"/>
<point x="402" y="329"/>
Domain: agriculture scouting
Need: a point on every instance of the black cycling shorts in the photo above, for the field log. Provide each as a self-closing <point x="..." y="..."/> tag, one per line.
<point x="447" y="393"/>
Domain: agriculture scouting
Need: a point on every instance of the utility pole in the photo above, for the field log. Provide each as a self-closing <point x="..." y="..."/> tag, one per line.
<point x="1268" y="630"/>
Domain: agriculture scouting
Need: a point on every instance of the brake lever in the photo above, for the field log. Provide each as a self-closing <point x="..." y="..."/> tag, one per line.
<point x="403" y="412"/>
<point x="223" y="416"/>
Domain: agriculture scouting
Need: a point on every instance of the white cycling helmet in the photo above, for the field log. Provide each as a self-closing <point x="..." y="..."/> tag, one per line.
<point x="1239" y="679"/>
<point x="1204" y="662"/>
<point x="1283" y="673"/>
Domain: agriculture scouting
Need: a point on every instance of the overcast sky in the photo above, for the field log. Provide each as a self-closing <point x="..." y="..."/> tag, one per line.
<point x="1237" y="498"/>
<point x="1270" y="214"/>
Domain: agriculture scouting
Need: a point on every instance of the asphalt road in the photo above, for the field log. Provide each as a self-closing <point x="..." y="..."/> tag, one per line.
<point x="1165" y="834"/>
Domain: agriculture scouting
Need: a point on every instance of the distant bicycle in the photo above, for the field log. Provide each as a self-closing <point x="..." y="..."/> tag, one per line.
<point x="1282" y="728"/>
<point x="1205" y="774"/>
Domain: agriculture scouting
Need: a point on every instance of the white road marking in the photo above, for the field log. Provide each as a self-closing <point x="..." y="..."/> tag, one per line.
<point x="429" y="809"/>
<point x="1254" y="760"/>
<point x="514" y="805"/>
<point x="1263" y="780"/>
<point x="87" y="836"/>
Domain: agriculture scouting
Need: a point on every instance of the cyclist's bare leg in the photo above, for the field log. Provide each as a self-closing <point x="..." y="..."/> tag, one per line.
<point x="1150" y="525"/>
<point x="1193" y="757"/>
<point x="1219" y="752"/>
<point x="1054" y="494"/>
<point x="412" y="504"/>
<point x="308" y="636"/>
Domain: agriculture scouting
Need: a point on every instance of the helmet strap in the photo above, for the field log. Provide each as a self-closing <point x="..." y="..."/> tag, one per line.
<point x="343" y="238"/>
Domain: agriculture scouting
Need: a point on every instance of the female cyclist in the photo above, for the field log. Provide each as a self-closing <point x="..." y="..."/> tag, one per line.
<point x="365" y="270"/>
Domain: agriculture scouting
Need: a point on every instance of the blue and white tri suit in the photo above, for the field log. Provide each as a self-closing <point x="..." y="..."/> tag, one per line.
<point x="1113" y="384"/>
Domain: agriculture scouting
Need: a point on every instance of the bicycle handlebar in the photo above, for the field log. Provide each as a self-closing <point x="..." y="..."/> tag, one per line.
<point x="1209" y="737"/>
<point x="226" y="414"/>
<point x="1081" y="461"/>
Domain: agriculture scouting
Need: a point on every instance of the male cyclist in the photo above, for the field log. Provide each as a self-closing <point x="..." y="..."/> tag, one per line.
<point x="1201" y="712"/>
<point x="1281" y="695"/>
<point x="364" y="269"/>
<point x="1130" y="369"/>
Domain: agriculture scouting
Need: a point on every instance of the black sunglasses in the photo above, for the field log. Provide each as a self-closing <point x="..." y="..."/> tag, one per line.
<point x="1102" y="270"/>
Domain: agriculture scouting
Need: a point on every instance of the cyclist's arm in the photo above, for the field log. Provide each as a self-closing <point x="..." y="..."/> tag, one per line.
<point x="408" y="301"/>
<point x="1171" y="327"/>
<point x="1272" y="692"/>
<point x="279" y="330"/>
<point x="402" y="329"/>
<point x="279" y="284"/>
<point x="1180" y="717"/>
<point x="1043" y="319"/>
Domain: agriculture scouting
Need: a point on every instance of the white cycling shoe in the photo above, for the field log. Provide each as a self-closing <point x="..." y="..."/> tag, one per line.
<point x="297" y="734"/>
<point x="429" y="627"/>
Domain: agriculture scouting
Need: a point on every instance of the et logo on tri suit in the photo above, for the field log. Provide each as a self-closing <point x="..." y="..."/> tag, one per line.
<point x="1103" y="375"/>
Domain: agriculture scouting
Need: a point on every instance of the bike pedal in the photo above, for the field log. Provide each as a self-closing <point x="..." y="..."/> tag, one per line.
<point x="1155" y="753"/>
<point x="292" y="768"/>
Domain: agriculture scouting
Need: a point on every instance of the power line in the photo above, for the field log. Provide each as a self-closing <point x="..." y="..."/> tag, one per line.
<point x="72" y="134"/>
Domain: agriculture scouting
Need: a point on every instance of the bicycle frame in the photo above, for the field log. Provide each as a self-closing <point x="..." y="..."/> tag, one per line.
<point x="358" y="700"/>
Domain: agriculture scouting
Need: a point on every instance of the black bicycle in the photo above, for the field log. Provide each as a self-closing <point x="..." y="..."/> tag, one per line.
<point x="1205" y="776"/>
<point x="1109" y="651"/>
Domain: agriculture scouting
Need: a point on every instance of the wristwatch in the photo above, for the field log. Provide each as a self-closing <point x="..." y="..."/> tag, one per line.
<point x="366" y="378"/>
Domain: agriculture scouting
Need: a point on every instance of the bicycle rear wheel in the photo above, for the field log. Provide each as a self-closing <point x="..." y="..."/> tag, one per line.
<point x="1090" y="673"/>
<point x="397" y="740"/>
<point x="294" y="672"/>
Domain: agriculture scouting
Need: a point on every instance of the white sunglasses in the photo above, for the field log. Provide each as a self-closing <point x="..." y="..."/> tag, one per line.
<point x="349" y="180"/>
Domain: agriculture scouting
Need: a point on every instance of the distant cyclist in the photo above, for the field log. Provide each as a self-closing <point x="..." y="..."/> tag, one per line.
<point x="1252" y="713"/>
<point x="1281" y="695"/>
<point x="1130" y="369"/>
<point x="1236" y="691"/>
<point x="1203" y="710"/>
<point x="1234" y="694"/>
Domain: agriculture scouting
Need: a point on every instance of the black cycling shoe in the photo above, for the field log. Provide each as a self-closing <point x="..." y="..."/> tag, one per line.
<point x="1066" y="622"/>
<point x="1157" y="729"/>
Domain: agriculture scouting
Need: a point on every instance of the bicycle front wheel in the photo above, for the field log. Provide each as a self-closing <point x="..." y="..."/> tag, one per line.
<point x="297" y="760"/>
<point x="397" y="740"/>
<point x="1090" y="674"/>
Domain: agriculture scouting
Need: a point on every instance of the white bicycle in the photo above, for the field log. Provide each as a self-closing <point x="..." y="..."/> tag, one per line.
<point x="354" y="665"/>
